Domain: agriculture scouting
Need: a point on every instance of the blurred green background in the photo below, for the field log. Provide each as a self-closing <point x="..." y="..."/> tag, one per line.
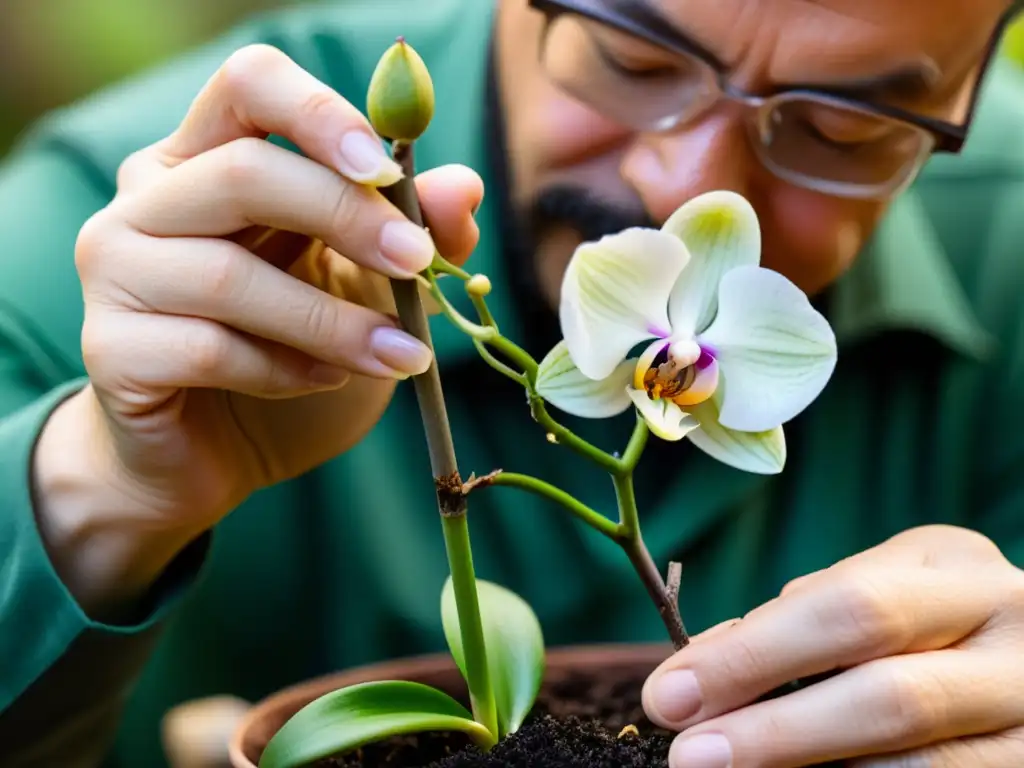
<point x="54" y="51"/>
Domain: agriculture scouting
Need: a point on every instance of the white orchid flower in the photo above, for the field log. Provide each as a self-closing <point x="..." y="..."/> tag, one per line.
<point x="734" y="350"/>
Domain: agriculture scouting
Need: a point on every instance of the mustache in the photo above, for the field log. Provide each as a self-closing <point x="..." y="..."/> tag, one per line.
<point x="584" y="211"/>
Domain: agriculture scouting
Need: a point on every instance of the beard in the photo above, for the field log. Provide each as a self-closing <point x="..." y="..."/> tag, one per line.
<point x="579" y="209"/>
<point x="565" y="207"/>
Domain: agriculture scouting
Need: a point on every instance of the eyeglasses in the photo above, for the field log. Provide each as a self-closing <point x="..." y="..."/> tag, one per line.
<point x="624" y="61"/>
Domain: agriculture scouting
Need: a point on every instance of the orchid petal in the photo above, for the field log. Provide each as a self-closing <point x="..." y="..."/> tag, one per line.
<point x="776" y="351"/>
<point x="665" y="419"/>
<point x="721" y="231"/>
<point x="560" y="382"/>
<point x="763" y="453"/>
<point x="615" y="295"/>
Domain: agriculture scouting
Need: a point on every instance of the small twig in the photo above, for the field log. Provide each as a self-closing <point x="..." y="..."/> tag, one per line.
<point x="475" y="482"/>
<point x="667" y="606"/>
<point x="633" y="544"/>
<point x="673" y="581"/>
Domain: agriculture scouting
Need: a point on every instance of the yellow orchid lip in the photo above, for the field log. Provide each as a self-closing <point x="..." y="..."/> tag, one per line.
<point x="703" y="384"/>
<point x="668" y="371"/>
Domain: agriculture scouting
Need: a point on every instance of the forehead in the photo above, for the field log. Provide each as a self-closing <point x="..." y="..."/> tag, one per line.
<point x="780" y="40"/>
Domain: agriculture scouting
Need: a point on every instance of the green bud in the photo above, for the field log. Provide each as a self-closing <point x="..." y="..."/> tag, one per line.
<point x="400" y="100"/>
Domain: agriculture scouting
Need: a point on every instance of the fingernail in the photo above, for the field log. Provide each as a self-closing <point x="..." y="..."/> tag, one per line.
<point x="676" y="696"/>
<point x="328" y="375"/>
<point x="364" y="160"/>
<point x="399" y="351"/>
<point x="406" y="247"/>
<point x="708" y="750"/>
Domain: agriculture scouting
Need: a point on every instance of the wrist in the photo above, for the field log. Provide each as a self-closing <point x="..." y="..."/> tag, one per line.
<point x="104" y="546"/>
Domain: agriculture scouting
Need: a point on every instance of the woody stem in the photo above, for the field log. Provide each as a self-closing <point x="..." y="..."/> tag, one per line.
<point x="451" y="499"/>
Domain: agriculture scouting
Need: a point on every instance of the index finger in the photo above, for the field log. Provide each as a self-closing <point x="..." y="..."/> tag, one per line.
<point x="837" y="623"/>
<point x="259" y="91"/>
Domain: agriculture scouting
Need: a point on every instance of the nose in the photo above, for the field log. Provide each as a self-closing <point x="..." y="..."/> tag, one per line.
<point x="667" y="169"/>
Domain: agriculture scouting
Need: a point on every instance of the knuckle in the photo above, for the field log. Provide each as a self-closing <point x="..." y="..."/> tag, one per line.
<point x="344" y="207"/>
<point x="131" y="168"/>
<point x="1014" y="600"/>
<point x="978" y="546"/>
<point x="241" y="164"/>
<point x="865" y="619"/>
<point x="223" y="275"/>
<point x="321" y="107"/>
<point x="91" y="244"/>
<point x="322" y="323"/>
<point x="793" y="585"/>
<point x="95" y="345"/>
<point x="206" y="349"/>
<point x="941" y="543"/>
<point x="744" y="661"/>
<point x="773" y="728"/>
<point x="907" y="707"/>
<point x="249" y="65"/>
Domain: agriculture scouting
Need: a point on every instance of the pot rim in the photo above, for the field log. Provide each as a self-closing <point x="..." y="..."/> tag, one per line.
<point x="562" y="658"/>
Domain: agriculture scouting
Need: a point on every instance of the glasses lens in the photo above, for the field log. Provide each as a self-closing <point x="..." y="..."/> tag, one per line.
<point x="857" y="152"/>
<point x="625" y="78"/>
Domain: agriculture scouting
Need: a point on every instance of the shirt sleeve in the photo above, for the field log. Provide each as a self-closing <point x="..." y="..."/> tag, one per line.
<point x="63" y="676"/>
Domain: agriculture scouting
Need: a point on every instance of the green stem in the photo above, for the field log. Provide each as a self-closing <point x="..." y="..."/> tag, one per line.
<point x="460" y="563"/>
<point x="636" y="445"/>
<point x="442" y="265"/>
<point x="451" y="498"/>
<point x="483" y="311"/>
<point x="569" y="439"/>
<point x="629" y="517"/>
<point x="497" y="365"/>
<point x="485" y="334"/>
<point x="538" y="487"/>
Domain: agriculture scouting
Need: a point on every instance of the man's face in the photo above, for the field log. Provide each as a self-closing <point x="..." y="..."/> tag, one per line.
<point x="576" y="173"/>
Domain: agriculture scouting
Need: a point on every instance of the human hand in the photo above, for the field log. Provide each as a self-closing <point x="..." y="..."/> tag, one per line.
<point x="229" y="345"/>
<point x="926" y="632"/>
<point x="197" y="733"/>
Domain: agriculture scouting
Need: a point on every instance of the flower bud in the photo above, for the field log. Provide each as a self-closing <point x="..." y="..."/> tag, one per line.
<point x="478" y="285"/>
<point x="400" y="99"/>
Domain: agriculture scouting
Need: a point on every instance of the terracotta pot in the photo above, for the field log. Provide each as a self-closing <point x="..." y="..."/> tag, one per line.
<point x="264" y="719"/>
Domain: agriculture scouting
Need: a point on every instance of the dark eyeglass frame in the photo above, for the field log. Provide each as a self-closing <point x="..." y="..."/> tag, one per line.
<point x="643" y="22"/>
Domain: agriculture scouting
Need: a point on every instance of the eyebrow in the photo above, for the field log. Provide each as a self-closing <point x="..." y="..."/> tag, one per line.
<point x="906" y="82"/>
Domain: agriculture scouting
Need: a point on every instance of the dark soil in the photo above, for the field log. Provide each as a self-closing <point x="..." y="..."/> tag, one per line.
<point x="576" y="723"/>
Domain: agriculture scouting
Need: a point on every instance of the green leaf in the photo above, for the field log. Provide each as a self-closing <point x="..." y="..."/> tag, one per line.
<point x="361" y="714"/>
<point x="515" y="648"/>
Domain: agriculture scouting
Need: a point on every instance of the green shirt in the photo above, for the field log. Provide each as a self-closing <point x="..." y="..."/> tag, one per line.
<point x="923" y="422"/>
